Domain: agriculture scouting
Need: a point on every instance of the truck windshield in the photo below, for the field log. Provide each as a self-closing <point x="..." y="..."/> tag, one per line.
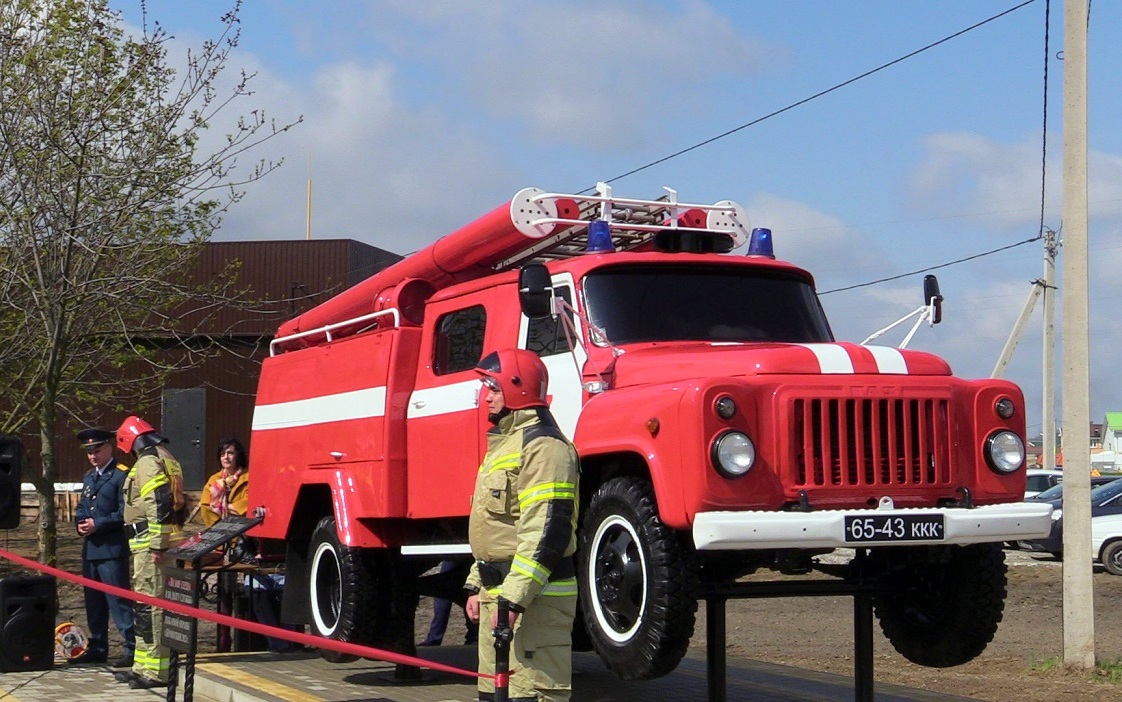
<point x="630" y="304"/>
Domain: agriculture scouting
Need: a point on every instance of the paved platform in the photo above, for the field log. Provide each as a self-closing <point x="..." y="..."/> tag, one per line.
<point x="305" y="677"/>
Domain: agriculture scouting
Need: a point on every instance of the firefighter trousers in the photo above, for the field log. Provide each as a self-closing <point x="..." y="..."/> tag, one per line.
<point x="541" y="654"/>
<point x="151" y="659"/>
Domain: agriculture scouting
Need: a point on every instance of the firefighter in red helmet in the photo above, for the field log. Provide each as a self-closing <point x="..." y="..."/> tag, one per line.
<point x="154" y="506"/>
<point x="522" y="531"/>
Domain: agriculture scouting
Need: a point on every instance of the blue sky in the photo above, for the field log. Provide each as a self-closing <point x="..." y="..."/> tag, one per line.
<point x="422" y="116"/>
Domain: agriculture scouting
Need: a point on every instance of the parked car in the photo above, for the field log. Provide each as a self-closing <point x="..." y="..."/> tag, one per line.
<point x="1106" y="541"/>
<point x="1040" y="479"/>
<point x="1106" y="527"/>
<point x="1057" y="490"/>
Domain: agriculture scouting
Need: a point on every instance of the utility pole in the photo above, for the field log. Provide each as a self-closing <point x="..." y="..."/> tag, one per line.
<point x="1048" y="381"/>
<point x="1041" y="288"/>
<point x="1079" y="611"/>
<point x="1038" y="287"/>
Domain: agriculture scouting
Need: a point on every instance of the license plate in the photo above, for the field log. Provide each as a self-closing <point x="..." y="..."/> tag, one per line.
<point x="894" y="527"/>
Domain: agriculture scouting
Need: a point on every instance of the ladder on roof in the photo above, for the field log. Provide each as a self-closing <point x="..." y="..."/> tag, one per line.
<point x="632" y="223"/>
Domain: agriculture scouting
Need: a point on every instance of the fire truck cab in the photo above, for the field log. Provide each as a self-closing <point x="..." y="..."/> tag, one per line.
<point x="721" y="429"/>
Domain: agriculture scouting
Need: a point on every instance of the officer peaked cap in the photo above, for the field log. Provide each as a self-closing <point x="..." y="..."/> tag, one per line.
<point x="94" y="437"/>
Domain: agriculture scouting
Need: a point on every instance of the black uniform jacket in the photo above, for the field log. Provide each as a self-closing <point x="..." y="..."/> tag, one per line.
<point x="103" y="499"/>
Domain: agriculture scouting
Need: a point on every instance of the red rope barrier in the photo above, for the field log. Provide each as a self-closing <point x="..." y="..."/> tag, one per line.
<point x="293" y="636"/>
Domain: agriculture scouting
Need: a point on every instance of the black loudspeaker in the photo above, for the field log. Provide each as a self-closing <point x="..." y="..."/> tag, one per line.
<point x="11" y="463"/>
<point x="27" y="623"/>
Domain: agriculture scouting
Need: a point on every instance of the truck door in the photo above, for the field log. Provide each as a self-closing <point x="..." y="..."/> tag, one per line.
<point x="443" y="422"/>
<point x="546" y="337"/>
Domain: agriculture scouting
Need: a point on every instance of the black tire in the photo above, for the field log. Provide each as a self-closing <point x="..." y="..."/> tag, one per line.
<point x="638" y="582"/>
<point x="943" y="605"/>
<point x="1112" y="558"/>
<point x="342" y="591"/>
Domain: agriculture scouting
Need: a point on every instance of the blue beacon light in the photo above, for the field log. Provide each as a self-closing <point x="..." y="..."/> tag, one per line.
<point x="599" y="237"/>
<point x="760" y="243"/>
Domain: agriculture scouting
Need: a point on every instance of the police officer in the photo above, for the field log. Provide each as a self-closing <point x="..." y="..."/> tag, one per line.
<point x="522" y="531"/>
<point x="105" y="549"/>
<point x="153" y="496"/>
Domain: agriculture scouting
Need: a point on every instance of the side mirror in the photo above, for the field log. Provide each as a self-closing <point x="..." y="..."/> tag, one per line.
<point x="535" y="291"/>
<point x="932" y="297"/>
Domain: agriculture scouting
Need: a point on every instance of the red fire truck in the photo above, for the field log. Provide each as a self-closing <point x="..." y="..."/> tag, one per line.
<point x="721" y="429"/>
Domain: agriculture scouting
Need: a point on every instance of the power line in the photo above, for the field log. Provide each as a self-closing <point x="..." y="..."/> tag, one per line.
<point x="817" y="95"/>
<point x="933" y="268"/>
<point x="1044" y="129"/>
<point x="865" y="75"/>
<point x="1043" y="178"/>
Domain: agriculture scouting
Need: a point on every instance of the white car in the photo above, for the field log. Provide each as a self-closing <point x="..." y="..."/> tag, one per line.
<point x="1040" y="479"/>
<point x="1106" y="541"/>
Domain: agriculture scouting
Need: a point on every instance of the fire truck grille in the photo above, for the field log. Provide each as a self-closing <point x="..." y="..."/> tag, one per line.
<point x="871" y="442"/>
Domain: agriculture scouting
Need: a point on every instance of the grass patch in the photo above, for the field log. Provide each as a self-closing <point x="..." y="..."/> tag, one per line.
<point x="1111" y="671"/>
<point x="1105" y="671"/>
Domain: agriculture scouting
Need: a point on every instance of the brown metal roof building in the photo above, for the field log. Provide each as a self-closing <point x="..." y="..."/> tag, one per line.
<point x="198" y="408"/>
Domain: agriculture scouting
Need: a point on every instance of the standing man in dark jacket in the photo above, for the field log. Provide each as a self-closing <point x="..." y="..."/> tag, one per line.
<point x="105" y="548"/>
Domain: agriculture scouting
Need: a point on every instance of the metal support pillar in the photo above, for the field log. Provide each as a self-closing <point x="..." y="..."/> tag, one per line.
<point x="716" y="630"/>
<point x="863" y="647"/>
<point x="716" y="658"/>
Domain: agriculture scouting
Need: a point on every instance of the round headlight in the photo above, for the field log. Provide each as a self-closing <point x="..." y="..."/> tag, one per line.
<point x="1005" y="452"/>
<point x="1004" y="408"/>
<point x="733" y="454"/>
<point x="726" y="407"/>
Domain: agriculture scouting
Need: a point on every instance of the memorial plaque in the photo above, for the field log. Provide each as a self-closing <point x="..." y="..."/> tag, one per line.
<point x="179" y="587"/>
<point x="211" y="538"/>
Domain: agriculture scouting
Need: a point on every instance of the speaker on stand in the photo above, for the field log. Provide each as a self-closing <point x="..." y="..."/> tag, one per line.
<point x="11" y="465"/>
<point x="27" y="623"/>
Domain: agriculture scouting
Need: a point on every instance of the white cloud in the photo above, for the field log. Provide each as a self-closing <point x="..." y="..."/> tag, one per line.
<point x="586" y="73"/>
<point x="382" y="172"/>
<point x="969" y="173"/>
<point x="964" y="172"/>
<point x="809" y="237"/>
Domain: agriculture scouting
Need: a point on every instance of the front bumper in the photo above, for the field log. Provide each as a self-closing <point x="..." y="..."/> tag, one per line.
<point x="827" y="528"/>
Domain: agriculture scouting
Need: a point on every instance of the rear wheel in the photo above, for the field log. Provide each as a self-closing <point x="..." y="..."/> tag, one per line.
<point x="638" y="582"/>
<point x="341" y="590"/>
<point x="943" y="605"/>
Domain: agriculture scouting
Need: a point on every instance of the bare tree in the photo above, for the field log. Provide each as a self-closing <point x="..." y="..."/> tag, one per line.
<point x="105" y="199"/>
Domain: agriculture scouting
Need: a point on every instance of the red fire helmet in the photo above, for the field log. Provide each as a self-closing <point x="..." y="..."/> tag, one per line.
<point x="520" y="374"/>
<point x="130" y="429"/>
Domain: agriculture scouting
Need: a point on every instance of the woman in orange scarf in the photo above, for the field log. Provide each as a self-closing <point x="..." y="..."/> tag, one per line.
<point x="227" y="491"/>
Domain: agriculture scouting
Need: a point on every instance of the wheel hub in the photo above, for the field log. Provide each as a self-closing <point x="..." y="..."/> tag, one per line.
<point x="619" y="577"/>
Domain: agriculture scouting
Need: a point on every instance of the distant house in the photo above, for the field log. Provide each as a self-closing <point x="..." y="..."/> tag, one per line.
<point x="1112" y="432"/>
<point x="1110" y="457"/>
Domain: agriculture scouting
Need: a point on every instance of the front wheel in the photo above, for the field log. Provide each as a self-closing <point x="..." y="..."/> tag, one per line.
<point x="341" y="588"/>
<point x="638" y="582"/>
<point x="943" y="605"/>
<point x="1112" y="558"/>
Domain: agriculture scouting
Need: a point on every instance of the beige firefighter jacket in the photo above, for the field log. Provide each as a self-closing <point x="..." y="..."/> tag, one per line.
<point x="524" y="510"/>
<point x="151" y="500"/>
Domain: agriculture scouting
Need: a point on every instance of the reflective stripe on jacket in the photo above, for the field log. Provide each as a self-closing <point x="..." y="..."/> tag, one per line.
<point x="149" y="496"/>
<point x="524" y="508"/>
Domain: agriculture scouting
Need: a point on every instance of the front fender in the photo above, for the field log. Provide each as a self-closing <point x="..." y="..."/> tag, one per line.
<point x="617" y="423"/>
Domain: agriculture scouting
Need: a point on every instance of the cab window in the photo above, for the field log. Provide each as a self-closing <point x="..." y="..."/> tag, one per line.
<point x="459" y="340"/>
<point x="546" y="336"/>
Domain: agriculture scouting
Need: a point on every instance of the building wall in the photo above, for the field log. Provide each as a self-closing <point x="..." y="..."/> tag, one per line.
<point x="289" y="277"/>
